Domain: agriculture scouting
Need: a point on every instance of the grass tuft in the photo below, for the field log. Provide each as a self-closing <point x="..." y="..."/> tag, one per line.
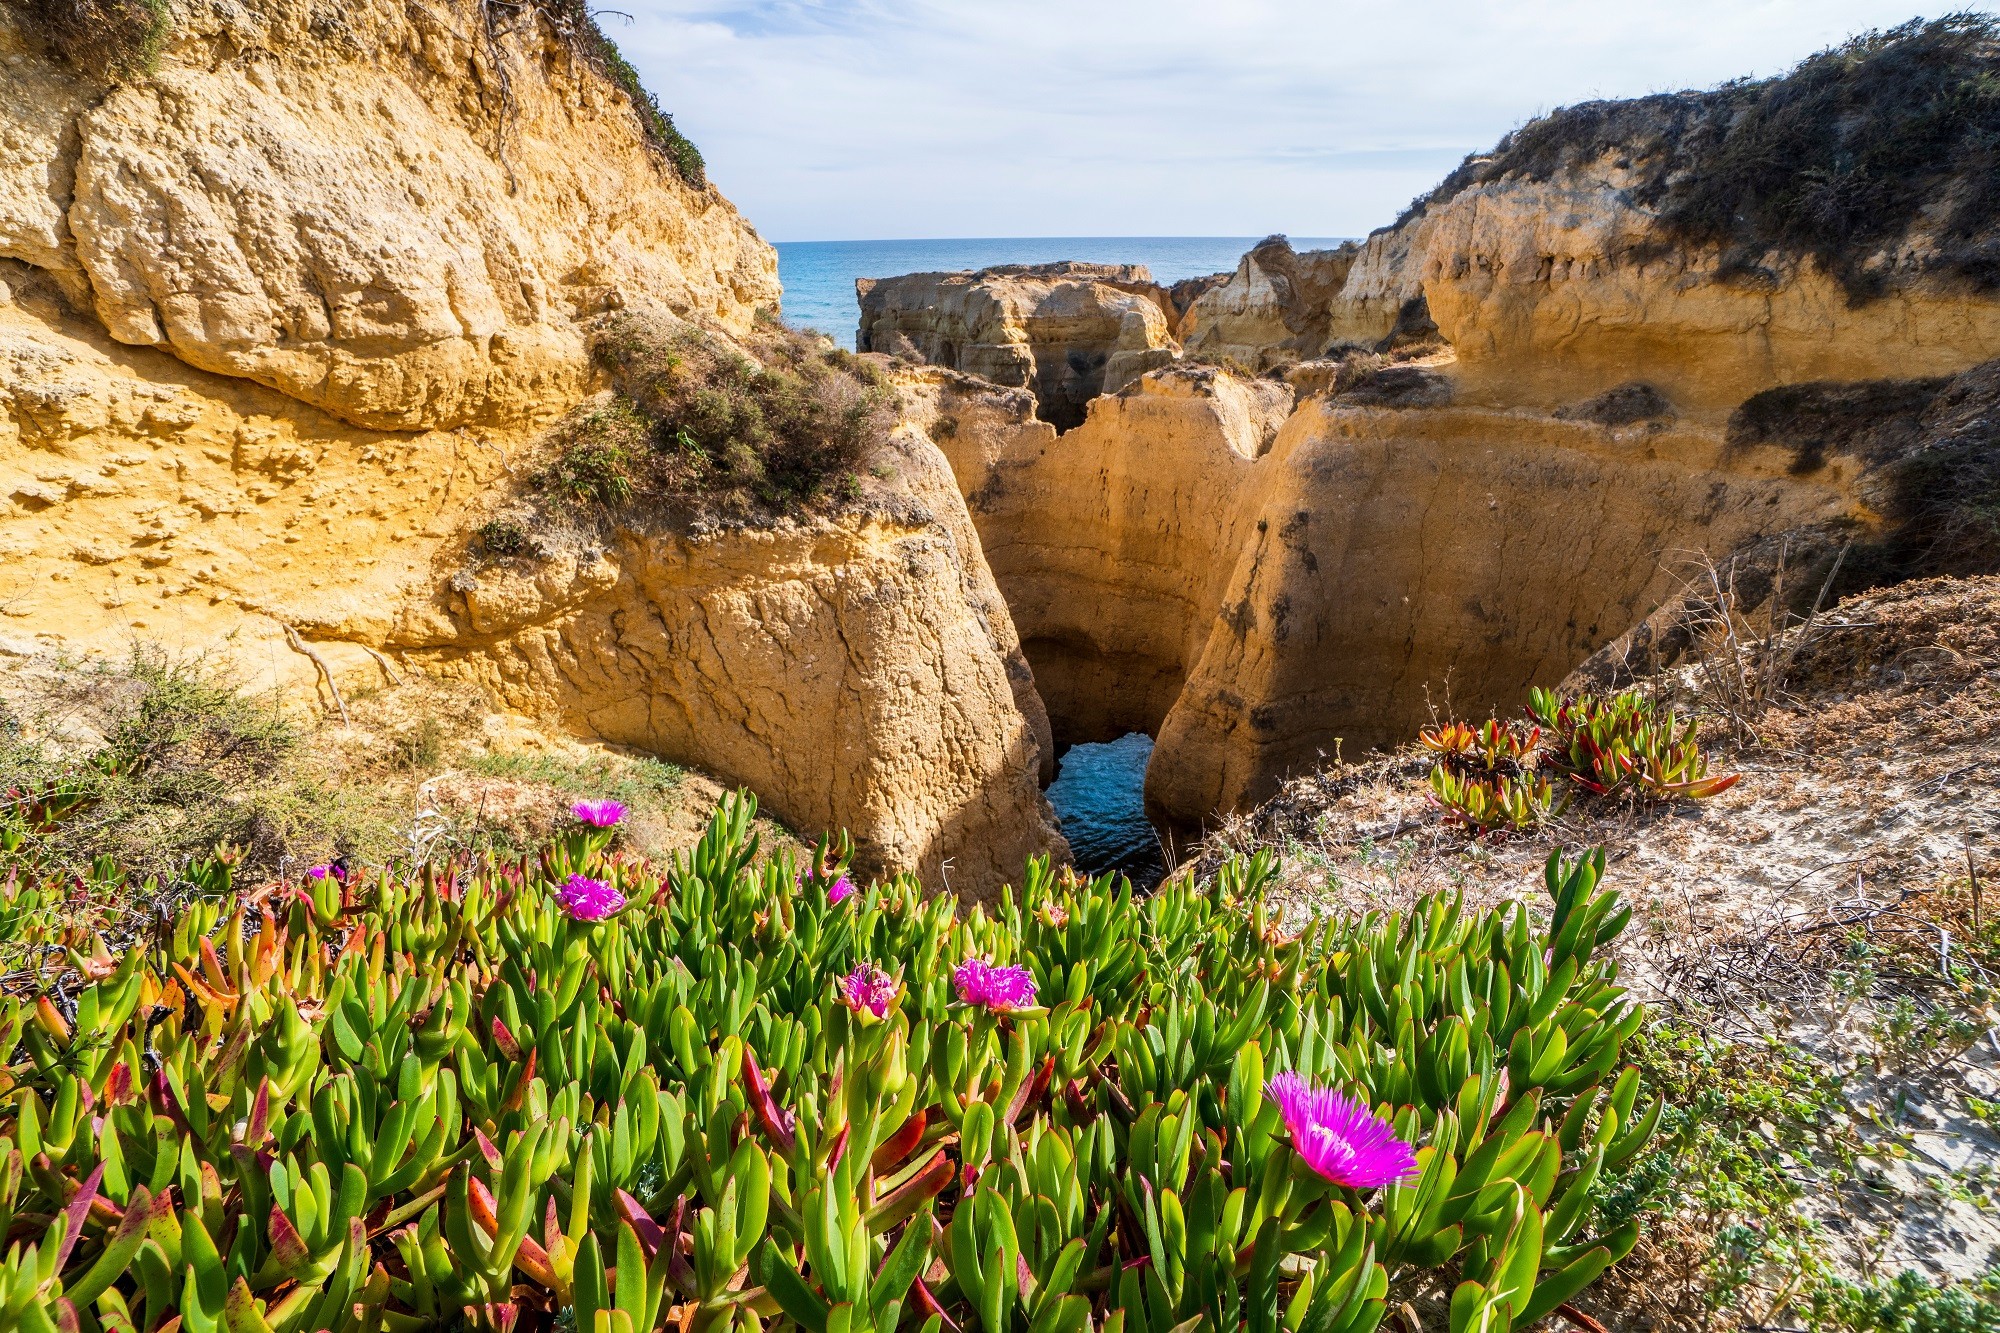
<point x="115" y="37"/>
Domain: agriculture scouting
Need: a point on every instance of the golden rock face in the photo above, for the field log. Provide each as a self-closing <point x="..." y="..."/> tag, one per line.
<point x="279" y="332"/>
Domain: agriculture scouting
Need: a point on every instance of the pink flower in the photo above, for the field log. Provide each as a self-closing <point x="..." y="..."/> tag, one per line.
<point x="589" y="899"/>
<point x="1339" y="1137"/>
<point x="598" y="814"/>
<point x="869" y="987"/>
<point x="837" y="892"/>
<point x="997" y="988"/>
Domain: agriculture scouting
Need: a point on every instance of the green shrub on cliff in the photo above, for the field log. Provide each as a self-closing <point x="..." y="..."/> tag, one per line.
<point x="574" y="21"/>
<point x="115" y="37"/>
<point x="580" y="1089"/>
<point x="696" y="420"/>
<point x="1839" y="160"/>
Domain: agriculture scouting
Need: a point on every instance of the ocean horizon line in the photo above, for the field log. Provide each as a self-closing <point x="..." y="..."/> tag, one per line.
<point x="1104" y="236"/>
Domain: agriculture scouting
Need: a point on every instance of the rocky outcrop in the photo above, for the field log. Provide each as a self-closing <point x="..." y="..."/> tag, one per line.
<point x="1553" y="291"/>
<point x="1259" y="585"/>
<point x="1637" y="352"/>
<point x="1718" y="244"/>
<point x="1382" y="290"/>
<point x="279" y="326"/>
<point x="377" y="214"/>
<point x="1067" y="332"/>
<point x="1139" y="502"/>
<point x="1275" y="308"/>
<point x="857" y="673"/>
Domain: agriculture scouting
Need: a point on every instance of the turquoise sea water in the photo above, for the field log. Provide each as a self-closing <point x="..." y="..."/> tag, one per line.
<point x="819" y="275"/>
<point x="1099" y="795"/>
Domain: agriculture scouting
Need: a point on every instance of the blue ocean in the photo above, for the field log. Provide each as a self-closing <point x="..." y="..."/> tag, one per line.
<point x="819" y="275"/>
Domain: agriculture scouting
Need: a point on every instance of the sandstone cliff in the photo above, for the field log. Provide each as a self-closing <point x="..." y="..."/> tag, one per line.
<point x="1276" y="307"/>
<point x="383" y="211"/>
<point x="1635" y="338"/>
<point x="1838" y="223"/>
<point x="284" y="307"/>
<point x="1256" y="584"/>
<point x="1067" y="331"/>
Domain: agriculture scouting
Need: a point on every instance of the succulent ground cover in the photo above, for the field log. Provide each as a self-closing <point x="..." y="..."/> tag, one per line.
<point x="1819" y="947"/>
<point x="577" y="1089"/>
<point x="1502" y="776"/>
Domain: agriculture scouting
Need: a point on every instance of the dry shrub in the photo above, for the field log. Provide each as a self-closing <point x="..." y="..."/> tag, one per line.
<point x="1624" y="405"/>
<point x="1934" y="443"/>
<point x="697" y="421"/>
<point x="113" y="37"/>
<point x="1839" y="160"/>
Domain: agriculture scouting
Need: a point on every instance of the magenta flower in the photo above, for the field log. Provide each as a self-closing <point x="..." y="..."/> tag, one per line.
<point x="319" y="872"/>
<point x="839" y="890"/>
<point x="997" y="988"/>
<point x="589" y="899"/>
<point x="869" y="987"/>
<point x="1339" y="1136"/>
<point x="598" y="814"/>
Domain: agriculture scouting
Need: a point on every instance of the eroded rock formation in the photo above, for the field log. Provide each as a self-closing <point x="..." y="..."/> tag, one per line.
<point x="1276" y="307"/>
<point x="1067" y="331"/>
<point x="1527" y="416"/>
<point x="279" y="325"/>
<point x="1256" y="585"/>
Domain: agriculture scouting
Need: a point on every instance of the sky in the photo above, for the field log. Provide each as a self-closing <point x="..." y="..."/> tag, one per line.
<point x="874" y="119"/>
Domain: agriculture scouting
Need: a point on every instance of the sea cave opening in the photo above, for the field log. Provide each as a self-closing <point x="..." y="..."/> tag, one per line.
<point x="1099" y="797"/>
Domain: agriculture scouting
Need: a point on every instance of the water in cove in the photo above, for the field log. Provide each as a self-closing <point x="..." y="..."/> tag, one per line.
<point x="819" y="275"/>
<point x="1099" y="795"/>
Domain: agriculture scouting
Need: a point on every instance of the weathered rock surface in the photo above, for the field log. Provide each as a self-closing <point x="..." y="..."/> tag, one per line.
<point x="377" y="215"/>
<point x="1064" y="331"/>
<point x="856" y="673"/>
<point x="1630" y="241"/>
<point x="1276" y="307"/>
<point x="1525" y="414"/>
<point x="1257" y="585"/>
<point x="279" y="327"/>
<point x="1557" y="290"/>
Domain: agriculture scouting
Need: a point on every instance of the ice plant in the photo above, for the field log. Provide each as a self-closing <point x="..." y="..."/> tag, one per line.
<point x="589" y="899"/>
<point x="599" y="814"/>
<point x="1339" y="1137"/>
<point x="839" y="890"/>
<point x="869" y="988"/>
<point x="1000" y="989"/>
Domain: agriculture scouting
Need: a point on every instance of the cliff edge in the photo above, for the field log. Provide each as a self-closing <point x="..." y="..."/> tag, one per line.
<point x="293" y="298"/>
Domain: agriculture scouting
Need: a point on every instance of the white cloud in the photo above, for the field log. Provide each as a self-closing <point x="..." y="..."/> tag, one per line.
<point x="857" y="119"/>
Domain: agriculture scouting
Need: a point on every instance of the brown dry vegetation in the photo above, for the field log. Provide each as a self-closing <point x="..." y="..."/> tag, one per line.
<point x="176" y="759"/>
<point x="776" y="425"/>
<point x="1826" y="982"/>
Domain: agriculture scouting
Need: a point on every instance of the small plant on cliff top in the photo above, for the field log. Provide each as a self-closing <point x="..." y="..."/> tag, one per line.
<point x="699" y="418"/>
<point x="1625" y="743"/>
